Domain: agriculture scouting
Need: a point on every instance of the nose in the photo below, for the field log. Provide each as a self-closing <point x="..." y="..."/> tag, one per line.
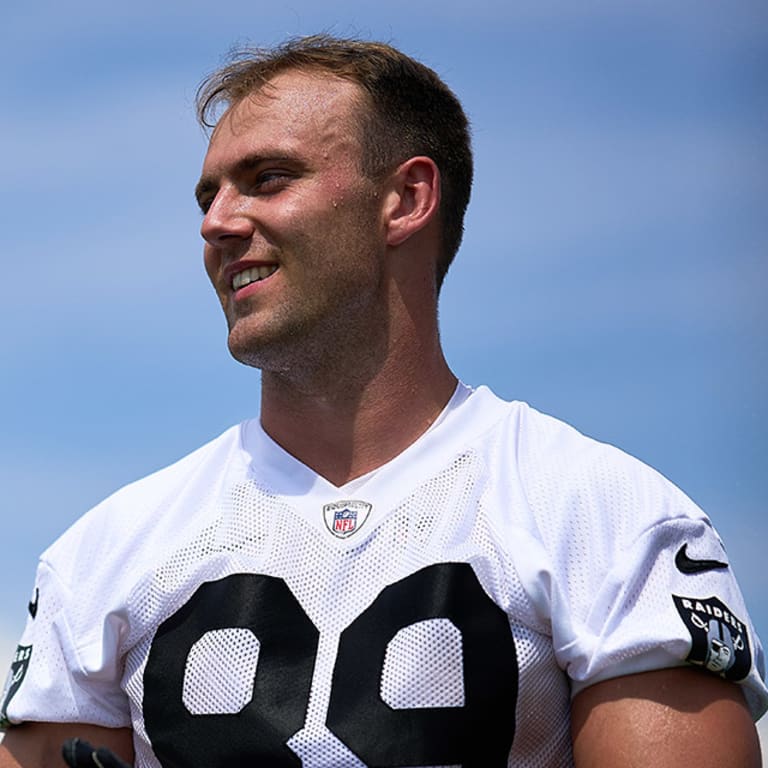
<point x="226" y="218"/>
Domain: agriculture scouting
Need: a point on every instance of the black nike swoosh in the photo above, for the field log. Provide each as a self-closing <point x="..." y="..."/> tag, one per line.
<point x="33" y="604"/>
<point x="686" y="564"/>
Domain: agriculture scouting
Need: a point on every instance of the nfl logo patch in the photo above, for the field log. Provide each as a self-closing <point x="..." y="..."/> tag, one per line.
<point x="343" y="518"/>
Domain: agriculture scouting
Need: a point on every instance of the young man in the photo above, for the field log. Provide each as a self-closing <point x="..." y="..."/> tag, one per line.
<point x="388" y="569"/>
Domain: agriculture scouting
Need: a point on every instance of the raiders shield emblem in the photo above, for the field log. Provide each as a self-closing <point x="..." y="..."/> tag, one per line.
<point x="719" y="640"/>
<point x="15" y="678"/>
<point x="343" y="518"/>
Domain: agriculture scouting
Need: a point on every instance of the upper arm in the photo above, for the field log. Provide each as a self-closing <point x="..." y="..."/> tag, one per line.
<point x="38" y="745"/>
<point x="669" y="718"/>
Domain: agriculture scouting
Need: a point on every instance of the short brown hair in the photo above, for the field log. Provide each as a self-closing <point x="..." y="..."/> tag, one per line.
<point x="413" y="112"/>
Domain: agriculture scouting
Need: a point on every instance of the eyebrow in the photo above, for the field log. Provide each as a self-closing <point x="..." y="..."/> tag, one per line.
<point x="208" y="184"/>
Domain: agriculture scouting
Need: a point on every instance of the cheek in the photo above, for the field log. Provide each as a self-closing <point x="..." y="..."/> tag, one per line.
<point x="212" y="264"/>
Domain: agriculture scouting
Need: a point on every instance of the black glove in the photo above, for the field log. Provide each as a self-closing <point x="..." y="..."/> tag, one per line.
<point x="80" y="754"/>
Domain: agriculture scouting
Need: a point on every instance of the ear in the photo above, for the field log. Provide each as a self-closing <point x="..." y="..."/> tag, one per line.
<point x="413" y="200"/>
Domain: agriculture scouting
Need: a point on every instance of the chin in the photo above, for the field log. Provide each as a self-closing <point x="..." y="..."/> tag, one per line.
<point x="246" y="353"/>
<point x="260" y="353"/>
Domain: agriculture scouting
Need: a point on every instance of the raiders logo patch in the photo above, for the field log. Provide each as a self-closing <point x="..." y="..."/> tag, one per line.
<point x="343" y="518"/>
<point x="719" y="640"/>
<point x="19" y="668"/>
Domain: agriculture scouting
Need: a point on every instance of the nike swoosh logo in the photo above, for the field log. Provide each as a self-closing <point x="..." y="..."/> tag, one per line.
<point x="687" y="564"/>
<point x="33" y="604"/>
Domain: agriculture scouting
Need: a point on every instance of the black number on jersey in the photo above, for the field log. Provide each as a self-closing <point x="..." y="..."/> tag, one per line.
<point x="478" y="733"/>
<point x="257" y="734"/>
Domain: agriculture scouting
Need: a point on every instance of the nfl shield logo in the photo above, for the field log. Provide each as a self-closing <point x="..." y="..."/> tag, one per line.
<point x="343" y="518"/>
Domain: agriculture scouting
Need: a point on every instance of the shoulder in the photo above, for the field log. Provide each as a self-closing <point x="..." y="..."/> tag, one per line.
<point x="585" y="508"/>
<point x="565" y="477"/>
<point x="148" y="512"/>
<point x="577" y="482"/>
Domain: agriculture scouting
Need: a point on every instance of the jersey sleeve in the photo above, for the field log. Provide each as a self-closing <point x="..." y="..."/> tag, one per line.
<point x="63" y="672"/>
<point x="71" y="665"/>
<point x="669" y="599"/>
<point x="640" y="579"/>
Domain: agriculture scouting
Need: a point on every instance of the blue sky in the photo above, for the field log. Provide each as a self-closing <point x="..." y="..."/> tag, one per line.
<point x="613" y="273"/>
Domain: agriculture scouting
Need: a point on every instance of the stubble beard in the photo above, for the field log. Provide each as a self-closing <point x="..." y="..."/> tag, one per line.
<point x="344" y="339"/>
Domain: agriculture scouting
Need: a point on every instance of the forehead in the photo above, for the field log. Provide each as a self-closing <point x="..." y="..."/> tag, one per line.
<point x="293" y="110"/>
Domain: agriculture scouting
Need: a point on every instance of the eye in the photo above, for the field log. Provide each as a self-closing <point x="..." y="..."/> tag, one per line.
<point x="205" y="203"/>
<point x="205" y="194"/>
<point x="271" y="180"/>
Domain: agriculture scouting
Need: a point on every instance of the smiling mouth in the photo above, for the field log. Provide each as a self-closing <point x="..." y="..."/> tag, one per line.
<point x="252" y="275"/>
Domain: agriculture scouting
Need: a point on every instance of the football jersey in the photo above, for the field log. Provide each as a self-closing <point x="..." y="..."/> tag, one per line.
<point x="236" y="608"/>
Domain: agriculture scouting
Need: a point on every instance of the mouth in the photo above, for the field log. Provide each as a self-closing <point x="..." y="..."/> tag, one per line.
<point x="252" y="275"/>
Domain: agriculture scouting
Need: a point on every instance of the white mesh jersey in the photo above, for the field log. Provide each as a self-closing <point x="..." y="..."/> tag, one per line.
<point x="235" y="608"/>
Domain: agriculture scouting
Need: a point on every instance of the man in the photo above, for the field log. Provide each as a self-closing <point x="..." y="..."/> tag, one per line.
<point x="389" y="568"/>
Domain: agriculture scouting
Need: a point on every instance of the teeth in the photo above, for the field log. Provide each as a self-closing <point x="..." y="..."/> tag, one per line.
<point x="252" y="275"/>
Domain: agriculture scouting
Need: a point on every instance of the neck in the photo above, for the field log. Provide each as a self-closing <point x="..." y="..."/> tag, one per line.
<point x="342" y="425"/>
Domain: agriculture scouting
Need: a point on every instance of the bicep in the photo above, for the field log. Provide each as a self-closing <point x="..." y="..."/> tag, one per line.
<point x="670" y="718"/>
<point x="38" y="745"/>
